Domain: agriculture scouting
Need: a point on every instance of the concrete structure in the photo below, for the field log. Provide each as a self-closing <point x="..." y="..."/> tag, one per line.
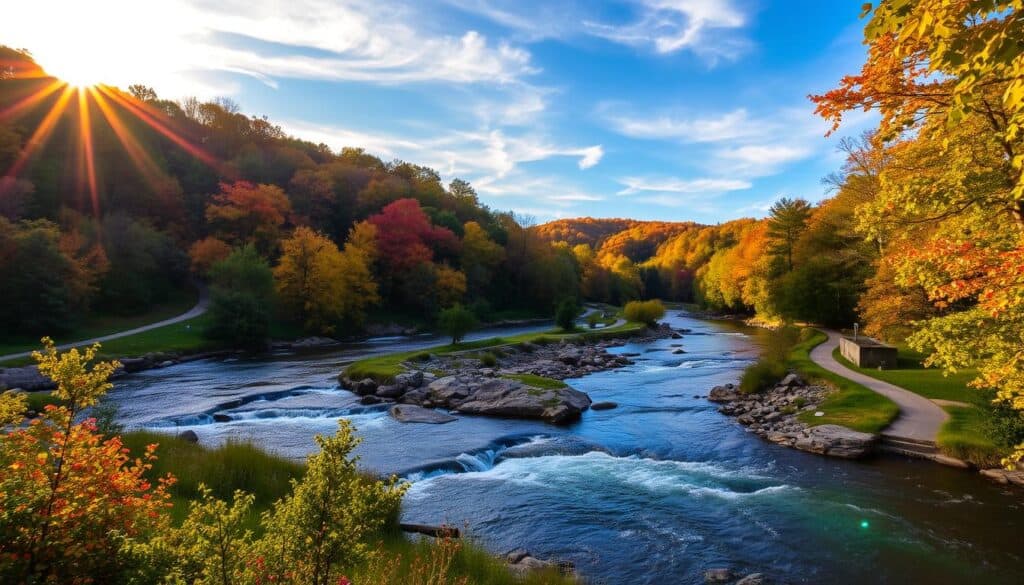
<point x="867" y="352"/>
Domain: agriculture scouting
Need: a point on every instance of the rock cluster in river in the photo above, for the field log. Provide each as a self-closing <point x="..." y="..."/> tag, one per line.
<point x="462" y="383"/>
<point x="772" y="414"/>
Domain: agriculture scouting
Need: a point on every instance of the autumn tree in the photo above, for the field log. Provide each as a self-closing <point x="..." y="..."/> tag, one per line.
<point x="243" y="213"/>
<point x="405" y="236"/>
<point x="207" y="252"/>
<point x="321" y="285"/>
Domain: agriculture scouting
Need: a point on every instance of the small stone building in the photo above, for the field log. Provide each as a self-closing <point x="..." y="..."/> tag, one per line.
<point x="868" y="353"/>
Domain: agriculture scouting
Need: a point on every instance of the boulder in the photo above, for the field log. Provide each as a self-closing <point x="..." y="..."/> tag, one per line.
<point x="837" y="441"/>
<point x="413" y="379"/>
<point x="753" y="579"/>
<point x="27" y="378"/>
<point x="791" y="380"/>
<point x="364" y="387"/>
<point x="390" y="391"/>
<point x="678" y="351"/>
<point x="370" y="399"/>
<point x="410" y="413"/>
<point x="603" y="405"/>
<point x="570" y="356"/>
<point x="511" y="398"/>
<point x="220" y="417"/>
<point x="718" y="575"/>
<point x="135" y="364"/>
<point x="189" y="436"/>
<point x="311" y="342"/>
<point x="1004" y="476"/>
<point x="726" y="393"/>
<point x="448" y="390"/>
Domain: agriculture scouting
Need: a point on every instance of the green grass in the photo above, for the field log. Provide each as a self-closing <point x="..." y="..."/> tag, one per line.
<point x="964" y="435"/>
<point x="928" y="382"/>
<point x="852" y="405"/>
<point x="384" y="368"/>
<point x="537" y="381"/>
<point x="100" y="324"/>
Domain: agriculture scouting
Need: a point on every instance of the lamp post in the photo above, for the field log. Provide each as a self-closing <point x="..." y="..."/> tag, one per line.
<point x="855" y="326"/>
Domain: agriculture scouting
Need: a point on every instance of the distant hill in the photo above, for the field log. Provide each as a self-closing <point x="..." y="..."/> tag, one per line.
<point x="634" y="239"/>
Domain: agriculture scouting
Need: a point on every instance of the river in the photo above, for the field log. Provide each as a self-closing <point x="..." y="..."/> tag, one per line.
<point x="655" y="491"/>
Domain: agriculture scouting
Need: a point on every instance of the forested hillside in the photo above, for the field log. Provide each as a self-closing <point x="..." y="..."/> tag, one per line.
<point x="114" y="199"/>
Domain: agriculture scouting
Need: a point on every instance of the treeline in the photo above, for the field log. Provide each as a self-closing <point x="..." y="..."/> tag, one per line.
<point x="115" y="198"/>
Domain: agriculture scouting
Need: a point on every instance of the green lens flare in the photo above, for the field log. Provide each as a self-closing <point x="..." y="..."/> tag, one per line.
<point x="864" y="524"/>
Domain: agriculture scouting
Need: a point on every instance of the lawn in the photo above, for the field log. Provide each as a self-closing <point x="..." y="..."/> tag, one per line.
<point x="100" y="324"/>
<point x="853" y="406"/>
<point x="964" y="435"/>
<point x="385" y="367"/>
<point x="537" y="381"/>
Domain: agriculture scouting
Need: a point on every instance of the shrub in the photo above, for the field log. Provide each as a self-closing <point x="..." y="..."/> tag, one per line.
<point x="593" y="319"/>
<point x="647" y="312"/>
<point x="456" y="321"/>
<point x="488" y="360"/>
<point x="565" y="315"/>
<point x="242" y="291"/>
<point x="772" y="366"/>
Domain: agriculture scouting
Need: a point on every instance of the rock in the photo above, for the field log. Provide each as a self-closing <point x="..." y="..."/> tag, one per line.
<point x="135" y="364"/>
<point x="311" y="342"/>
<point x="569" y="357"/>
<point x="753" y="579"/>
<point x="718" y="576"/>
<point x="27" y="378"/>
<point x="838" y="441"/>
<point x="603" y="405"/>
<point x="676" y="335"/>
<point x="792" y="380"/>
<point x="410" y="413"/>
<point x="726" y="393"/>
<point x="189" y="436"/>
<point x="516" y="555"/>
<point x="365" y="387"/>
<point x="220" y="417"/>
<point x="448" y="390"/>
<point x="412" y="379"/>
<point x="390" y="391"/>
<point x="166" y="363"/>
<point x="678" y="351"/>
<point x="502" y="397"/>
<point x="370" y="399"/>
<point x="1005" y="476"/>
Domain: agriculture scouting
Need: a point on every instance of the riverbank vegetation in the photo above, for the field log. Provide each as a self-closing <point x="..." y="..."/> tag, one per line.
<point x="851" y="405"/>
<point x="82" y="504"/>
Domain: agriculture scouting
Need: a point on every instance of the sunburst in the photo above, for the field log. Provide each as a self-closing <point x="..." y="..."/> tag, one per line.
<point x="84" y="92"/>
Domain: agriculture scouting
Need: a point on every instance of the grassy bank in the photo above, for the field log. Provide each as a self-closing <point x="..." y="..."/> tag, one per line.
<point x="851" y="405"/>
<point x="100" y="324"/>
<point x="385" y="367"/>
<point x="964" y="435"/>
<point x="240" y="466"/>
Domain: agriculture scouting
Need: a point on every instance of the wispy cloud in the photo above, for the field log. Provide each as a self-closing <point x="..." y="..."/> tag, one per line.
<point x="668" y="26"/>
<point x="715" y="127"/>
<point x="635" y="185"/>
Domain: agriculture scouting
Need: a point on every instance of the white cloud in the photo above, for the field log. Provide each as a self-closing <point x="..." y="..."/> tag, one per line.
<point x="736" y="124"/>
<point x="760" y="159"/>
<point x="668" y="26"/>
<point x="635" y="185"/>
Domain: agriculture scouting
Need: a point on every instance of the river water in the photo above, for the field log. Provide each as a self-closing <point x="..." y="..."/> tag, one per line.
<point x="655" y="491"/>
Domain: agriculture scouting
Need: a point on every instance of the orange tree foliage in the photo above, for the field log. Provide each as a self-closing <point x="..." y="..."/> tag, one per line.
<point x="207" y="252"/>
<point x="245" y="213"/>
<point x="68" y="496"/>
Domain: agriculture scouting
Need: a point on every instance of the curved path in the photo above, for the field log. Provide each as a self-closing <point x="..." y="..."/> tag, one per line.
<point x="920" y="419"/>
<point x="200" y="307"/>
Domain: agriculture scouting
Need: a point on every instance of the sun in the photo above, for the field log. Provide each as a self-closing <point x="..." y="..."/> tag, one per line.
<point x="79" y="69"/>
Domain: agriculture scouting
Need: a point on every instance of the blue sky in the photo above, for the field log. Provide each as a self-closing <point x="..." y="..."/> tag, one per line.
<point x="654" y="109"/>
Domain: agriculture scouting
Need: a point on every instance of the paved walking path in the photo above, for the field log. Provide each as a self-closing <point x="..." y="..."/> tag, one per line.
<point x="919" y="419"/>
<point x="200" y="307"/>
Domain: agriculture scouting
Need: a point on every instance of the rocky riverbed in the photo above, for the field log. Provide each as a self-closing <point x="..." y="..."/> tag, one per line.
<point x="500" y="381"/>
<point x="773" y="415"/>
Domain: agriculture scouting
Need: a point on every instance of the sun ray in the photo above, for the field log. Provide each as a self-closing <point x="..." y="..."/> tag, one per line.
<point x="151" y="172"/>
<point x="42" y="133"/>
<point x="85" y="128"/>
<point x="32" y="99"/>
<point x="149" y="118"/>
